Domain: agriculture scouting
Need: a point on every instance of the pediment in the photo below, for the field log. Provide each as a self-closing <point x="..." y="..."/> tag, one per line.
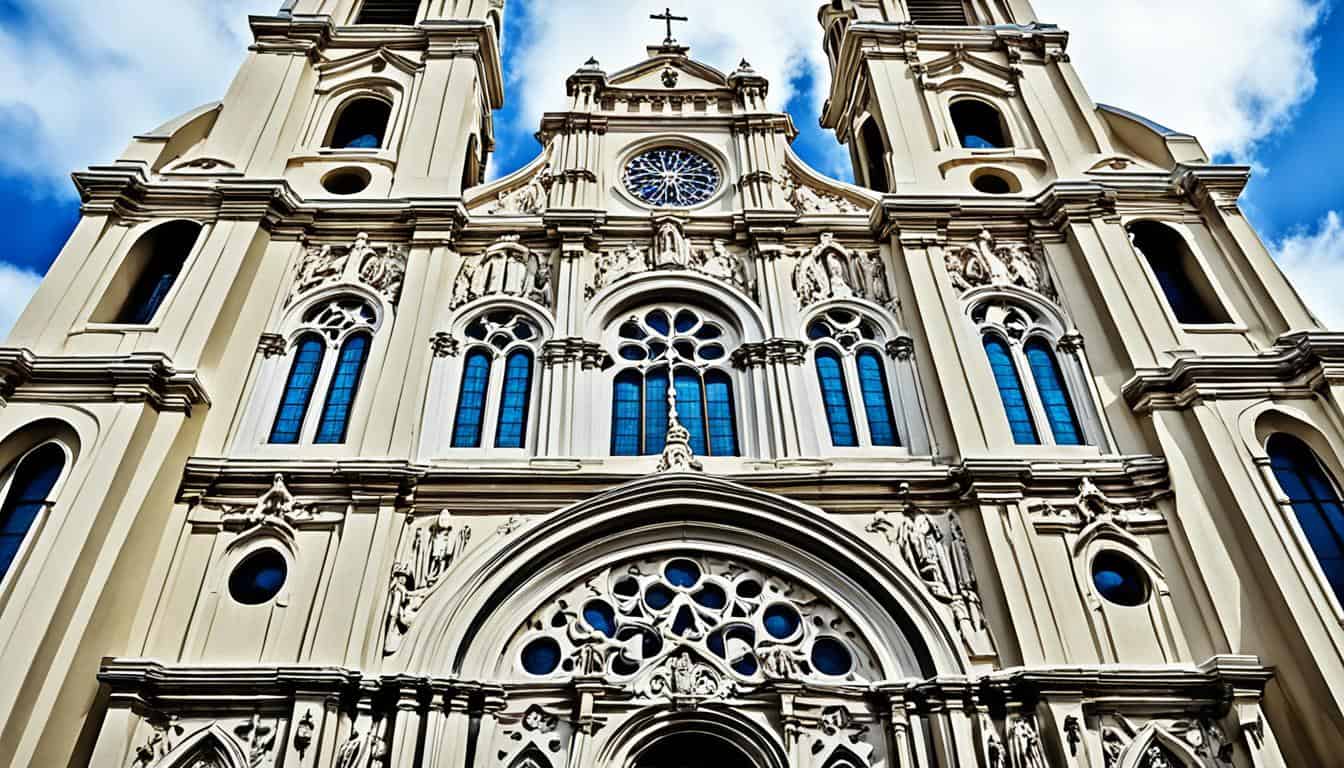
<point x="376" y="60"/>
<point x="963" y="69"/>
<point x="682" y="73"/>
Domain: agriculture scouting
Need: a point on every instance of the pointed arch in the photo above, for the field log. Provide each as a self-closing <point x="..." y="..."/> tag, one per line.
<point x="530" y="758"/>
<point x="1154" y="735"/>
<point x="211" y="745"/>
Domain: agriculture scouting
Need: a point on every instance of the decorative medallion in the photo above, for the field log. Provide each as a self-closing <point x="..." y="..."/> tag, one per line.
<point x="672" y="177"/>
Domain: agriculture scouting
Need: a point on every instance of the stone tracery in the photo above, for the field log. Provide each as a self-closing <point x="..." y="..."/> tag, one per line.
<point x="692" y="626"/>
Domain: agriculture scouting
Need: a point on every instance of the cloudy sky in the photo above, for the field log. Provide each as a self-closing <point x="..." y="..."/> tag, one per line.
<point x="1249" y="77"/>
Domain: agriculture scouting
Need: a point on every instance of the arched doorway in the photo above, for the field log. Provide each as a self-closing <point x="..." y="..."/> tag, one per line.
<point x="690" y="749"/>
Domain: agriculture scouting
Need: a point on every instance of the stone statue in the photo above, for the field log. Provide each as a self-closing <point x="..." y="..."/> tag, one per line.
<point x="875" y="277"/>
<point x="671" y="250"/>
<point x="527" y="200"/>
<point x="1024" y="746"/>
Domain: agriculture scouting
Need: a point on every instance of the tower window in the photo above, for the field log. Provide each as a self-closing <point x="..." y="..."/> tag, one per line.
<point x="979" y="125"/>
<point x="148" y="274"/>
<point x="361" y="124"/>
<point x="1315" y="498"/>
<point x="1187" y="289"/>
<point x="875" y="155"/>
<point x="949" y="13"/>
<point x="30" y="487"/>
<point x="400" y="12"/>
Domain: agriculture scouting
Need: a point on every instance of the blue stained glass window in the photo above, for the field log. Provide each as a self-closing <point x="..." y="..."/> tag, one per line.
<point x="877" y="400"/>
<point x="655" y="412"/>
<point x="341" y="395"/>
<point x="513" y="408"/>
<point x="722" y="414"/>
<point x="626" y="413"/>
<point x="691" y="410"/>
<point x="298" y="391"/>
<point x="1010" y="390"/>
<point x="471" y="400"/>
<point x="835" y="397"/>
<point x="34" y="478"/>
<point x="1316" y="501"/>
<point x="1054" y="394"/>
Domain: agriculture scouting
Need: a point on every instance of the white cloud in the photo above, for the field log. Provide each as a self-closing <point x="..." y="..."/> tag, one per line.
<point x="1314" y="261"/>
<point x="17" y="285"/>
<point x="78" y="79"/>
<point x="1229" y="71"/>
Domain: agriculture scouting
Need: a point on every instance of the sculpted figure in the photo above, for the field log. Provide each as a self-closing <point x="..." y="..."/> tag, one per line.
<point x="671" y="249"/>
<point x="875" y="277"/>
<point x="1024" y="746"/>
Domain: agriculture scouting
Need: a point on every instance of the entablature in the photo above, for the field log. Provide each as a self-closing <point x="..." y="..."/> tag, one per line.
<point x="144" y="377"/>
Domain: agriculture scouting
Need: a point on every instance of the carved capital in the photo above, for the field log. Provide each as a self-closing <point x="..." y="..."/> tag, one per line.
<point x="901" y="348"/>
<point x="271" y="345"/>
<point x="445" y="345"/>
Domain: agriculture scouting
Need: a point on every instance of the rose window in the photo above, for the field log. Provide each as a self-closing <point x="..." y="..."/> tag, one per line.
<point x="672" y="177"/>
<point x="748" y="624"/>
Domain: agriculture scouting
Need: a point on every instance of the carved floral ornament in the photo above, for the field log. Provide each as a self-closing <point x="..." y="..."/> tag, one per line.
<point x="507" y="268"/>
<point x="671" y="250"/>
<point x="691" y="627"/>
<point x="830" y="270"/>
<point x="249" y="742"/>
<point x="987" y="262"/>
<point x="382" y="269"/>
<point x="1184" y="743"/>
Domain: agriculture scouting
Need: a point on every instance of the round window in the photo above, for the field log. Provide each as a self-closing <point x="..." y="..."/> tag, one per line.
<point x="672" y="177"/>
<point x="259" y="577"/>
<point x="1120" y="580"/>
<point x="347" y="181"/>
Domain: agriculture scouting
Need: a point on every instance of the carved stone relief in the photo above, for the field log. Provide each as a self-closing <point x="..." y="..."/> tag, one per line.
<point x="1024" y="745"/>
<point x="382" y="269"/>
<point x="431" y="555"/>
<point x="935" y="549"/>
<point x="507" y="268"/>
<point x="212" y="744"/>
<point x="987" y="262"/>
<point x="537" y="736"/>
<point x="830" y="270"/>
<point x="1153" y="744"/>
<point x="671" y="250"/>
<point x="1092" y="505"/>
<point x="527" y="200"/>
<point x="840" y="740"/>
<point x="807" y="199"/>
<point x="366" y="747"/>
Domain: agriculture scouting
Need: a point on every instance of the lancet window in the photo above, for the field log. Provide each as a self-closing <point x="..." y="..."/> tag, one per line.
<point x="494" y="403"/>
<point x="673" y="354"/>
<point x="148" y="274"/>
<point x="328" y="357"/>
<point x="1040" y="376"/>
<point x="1315" y="497"/>
<point x="854" y="380"/>
<point x="28" y="489"/>
<point x="1185" y="285"/>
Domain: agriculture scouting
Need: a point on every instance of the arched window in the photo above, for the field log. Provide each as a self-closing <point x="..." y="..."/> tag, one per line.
<point x="979" y="125"/>
<point x="1054" y="394"/>
<point x="30" y="485"/>
<point x="1042" y="380"/>
<point x="513" y="408"/>
<point x="329" y="355"/>
<point x="148" y="274"/>
<point x="1315" y="498"/>
<point x="1184" y="284"/>
<point x="505" y="336"/>
<point x="673" y="751"/>
<point x="344" y="386"/>
<point x="874" y="155"/>
<point x="835" y="396"/>
<point x="694" y="347"/>
<point x="361" y="124"/>
<point x="849" y="358"/>
<point x="1011" y="392"/>
<point x="471" y="166"/>
<point x="399" y="12"/>
<point x="298" y="390"/>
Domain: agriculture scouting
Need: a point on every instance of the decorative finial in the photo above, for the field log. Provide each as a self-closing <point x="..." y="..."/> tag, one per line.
<point x="678" y="456"/>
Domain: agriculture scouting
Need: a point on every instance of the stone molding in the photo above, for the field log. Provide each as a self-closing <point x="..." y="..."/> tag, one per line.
<point x="1298" y="365"/>
<point x="143" y="377"/>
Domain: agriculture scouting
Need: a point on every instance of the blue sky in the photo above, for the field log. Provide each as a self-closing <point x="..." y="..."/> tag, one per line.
<point x="1250" y="77"/>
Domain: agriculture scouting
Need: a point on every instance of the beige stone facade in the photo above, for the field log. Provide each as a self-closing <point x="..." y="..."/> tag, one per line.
<point x="321" y="453"/>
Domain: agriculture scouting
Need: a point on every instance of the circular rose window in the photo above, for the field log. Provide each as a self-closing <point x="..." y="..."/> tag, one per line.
<point x="672" y="177"/>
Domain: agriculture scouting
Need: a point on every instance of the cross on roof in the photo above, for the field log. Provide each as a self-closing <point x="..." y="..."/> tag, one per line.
<point x="669" y="18"/>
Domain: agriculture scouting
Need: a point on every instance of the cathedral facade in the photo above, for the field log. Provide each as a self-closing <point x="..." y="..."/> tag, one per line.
<point x="668" y="451"/>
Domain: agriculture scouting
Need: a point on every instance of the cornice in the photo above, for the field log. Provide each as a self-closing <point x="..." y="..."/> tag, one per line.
<point x="143" y="377"/>
<point x="1298" y="365"/>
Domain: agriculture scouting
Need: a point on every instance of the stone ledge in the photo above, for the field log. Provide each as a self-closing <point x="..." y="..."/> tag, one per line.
<point x="138" y="378"/>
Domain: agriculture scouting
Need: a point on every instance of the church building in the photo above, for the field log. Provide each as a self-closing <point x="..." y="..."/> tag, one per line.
<point x="319" y="449"/>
